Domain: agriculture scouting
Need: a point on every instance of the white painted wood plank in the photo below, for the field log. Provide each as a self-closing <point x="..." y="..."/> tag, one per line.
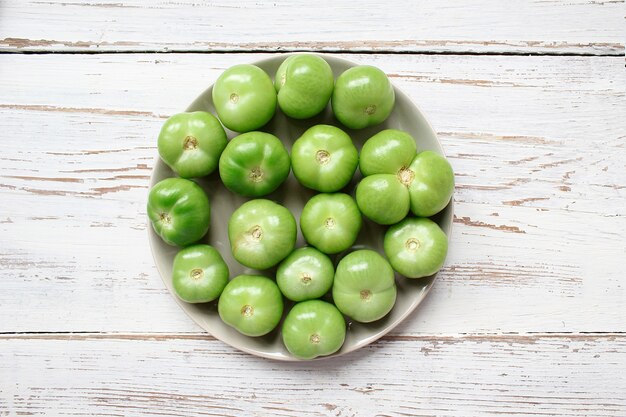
<point x="74" y="271"/>
<point x="520" y="26"/>
<point x="529" y="123"/>
<point x="133" y="375"/>
<point x="537" y="146"/>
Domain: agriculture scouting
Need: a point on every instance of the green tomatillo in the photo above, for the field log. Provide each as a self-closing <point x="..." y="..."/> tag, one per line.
<point x="324" y="158"/>
<point x="254" y="164"/>
<point x="199" y="274"/>
<point x="331" y="222"/>
<point x="387" y="152"/>
<point x="191" y="143"/>
<point x="304" y="84"/>
<point x="261" y="233"/>
<point x="363" y="96"/>
<point x="382" y="198"/>
<point x="252" y="304"/>
<point x="179" y="211"/>
<point x="432" y="184"/>
<point x="313" y="328"/>
<point x="305" y="274"/>
<point x="416" y="247"/>
<point x="244" y="98"/>
<point x="364" y="287"/>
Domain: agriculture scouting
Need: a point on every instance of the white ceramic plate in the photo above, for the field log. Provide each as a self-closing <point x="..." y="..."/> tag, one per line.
<point x="411" y="292"/>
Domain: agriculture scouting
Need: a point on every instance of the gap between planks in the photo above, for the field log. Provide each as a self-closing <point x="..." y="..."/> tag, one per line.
<point x="512" y="337"/>
<point x="324" y="50"/>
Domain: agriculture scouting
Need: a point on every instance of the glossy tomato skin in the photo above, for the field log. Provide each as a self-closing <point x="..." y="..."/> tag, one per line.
<point x="432" y="185"/>
<point x="387" y="152"/>
<point x="254" y="164"/>
<point x="179" y="211"/>
<point x="383" y="198"/>
<point x="364" y="287"/>
<point x="191" y="143"/>
<point x="313" y="328"/>
<point x="305" y="274"/>
<point x="199" y="274"/>
<point x="324" y="158"/>
<point x="261" y="233"/>
<point x="363" y="96"/>
<point x="416" y="247"/>
<point x="252" y="304"/>
<point x="304" y="83"/>
<point x="331" y="222"/>
<point x="244" y="98"/>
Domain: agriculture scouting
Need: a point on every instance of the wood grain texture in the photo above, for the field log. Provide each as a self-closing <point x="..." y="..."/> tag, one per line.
<point x="485" y="26"/>
<point x="527" y="317"/>
<point x="117" y="375"/>
<point x="537" y="146"/>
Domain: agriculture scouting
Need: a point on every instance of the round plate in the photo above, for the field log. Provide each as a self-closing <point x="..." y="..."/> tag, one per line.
<point x="291" y="194"/>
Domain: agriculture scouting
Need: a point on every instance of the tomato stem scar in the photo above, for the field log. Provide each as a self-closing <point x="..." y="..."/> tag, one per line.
<point x="406" y="176"/>
<point x="412" y="244"/>
<point x="190" y="143"/>
<point x="371" y="109"/>
<point x="322" y="157"/>
<point x="256" y="233"/>
<point x="256" y="174"/>
<point x="247" y="310"/>
<point x="306" y="278"/>
<point x="196" y="273"/>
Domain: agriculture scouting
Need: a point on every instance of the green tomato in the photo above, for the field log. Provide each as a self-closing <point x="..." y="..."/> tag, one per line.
<point x="331" y="222"/>
<point x="432" y="183"/>
<point x="324" y="158"/>
<point x="252" y="304"/>
<point x="191" y="143"/>
<point x="313" y="328"/>
<point x="363" y="96"/>
<point x="179" y="211"/>
<point x="261" y="233"/>
<point x="254" y="164"/>
<point x="244" y="98"/>
<point x="382" y="198"/>
<point x="305" y="274"/>
<point x="364" y="287"/>
<point x="199" y="274"/>
<point x="387" y="152"/>
<point x="304" y="84"/>
<point x="416" y="247"/>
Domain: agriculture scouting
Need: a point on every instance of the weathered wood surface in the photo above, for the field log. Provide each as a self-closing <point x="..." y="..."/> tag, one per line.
<point x="194" y="375"/>
<point x="537" y="146"/>
<point x="485" y="26"/>
<point x="527" y="316"/>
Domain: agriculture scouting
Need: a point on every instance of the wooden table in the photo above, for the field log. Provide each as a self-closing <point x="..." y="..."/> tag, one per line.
<point x="528" y="317"/>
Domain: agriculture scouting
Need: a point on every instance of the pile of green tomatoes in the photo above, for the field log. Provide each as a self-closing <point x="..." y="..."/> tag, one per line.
<point x="327" y="281"/>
